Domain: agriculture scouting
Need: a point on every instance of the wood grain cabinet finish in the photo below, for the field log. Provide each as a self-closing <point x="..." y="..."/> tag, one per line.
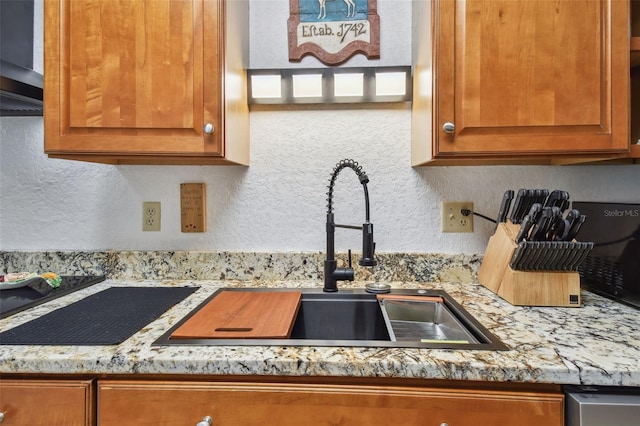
<point x="137" y="81"/>
<point x="47" y="402"/>
<point x="520" y="79"/>
<point x="238" y="404"/>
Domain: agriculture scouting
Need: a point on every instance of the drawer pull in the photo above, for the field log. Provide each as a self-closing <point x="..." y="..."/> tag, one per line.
<point x="206" y="421"/>
<point x="449" y="127"/>
<point x="208" y="129"/>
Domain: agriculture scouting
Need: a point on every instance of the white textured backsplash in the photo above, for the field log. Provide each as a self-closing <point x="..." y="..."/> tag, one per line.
<point x="278" y="204"/>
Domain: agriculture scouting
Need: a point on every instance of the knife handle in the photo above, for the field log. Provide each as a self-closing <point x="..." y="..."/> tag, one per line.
<point x="537" y="248"/>
<point x="575" y="227"/>
<point x="539" y="232"/>
<point x="544" y="193"/>
<point x="528" y="201"/>
<point x="504" y="206"/>
<point x="561" y="230"/>
<point x="555" y="223"/>
<point x="572" y="215"/>
<point x="551" y="199"/>
<point x="517" y="205"/>
<point x="525" y="227"/>
<point x="535" y="212"/>
<point x="584" y="252"/>
<point x="516" y="259"/>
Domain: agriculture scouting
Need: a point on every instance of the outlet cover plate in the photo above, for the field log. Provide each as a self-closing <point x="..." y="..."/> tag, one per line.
<point x="453" y="220"/>
<point x="151" y="216"/>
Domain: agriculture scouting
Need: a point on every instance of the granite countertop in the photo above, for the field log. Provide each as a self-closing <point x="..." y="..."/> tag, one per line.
<point x="597" y="344"/>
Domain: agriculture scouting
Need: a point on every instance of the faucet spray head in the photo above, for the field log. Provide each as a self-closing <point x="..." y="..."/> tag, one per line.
<point x="368" y="246"/>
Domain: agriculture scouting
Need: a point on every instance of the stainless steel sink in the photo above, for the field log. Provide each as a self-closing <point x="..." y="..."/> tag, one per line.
<point x="430" y="321"/>
<point x="353" y="318"/>
<point x="339" y="316"/>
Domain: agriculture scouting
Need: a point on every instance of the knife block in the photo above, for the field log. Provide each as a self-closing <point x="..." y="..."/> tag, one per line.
<point x="524" y="288"/>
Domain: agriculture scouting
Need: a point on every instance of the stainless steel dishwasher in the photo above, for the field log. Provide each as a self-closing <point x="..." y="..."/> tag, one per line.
<point x="602" y="406"/>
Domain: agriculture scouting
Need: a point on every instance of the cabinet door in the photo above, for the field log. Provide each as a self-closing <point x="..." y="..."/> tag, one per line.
<point x="172" y="403"/>
<point x="531" y="77"/>
<point x="138" y="77"/>
<point x="46" y="402"/>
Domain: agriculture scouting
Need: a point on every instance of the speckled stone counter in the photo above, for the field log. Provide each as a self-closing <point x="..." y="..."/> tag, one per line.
<point x="597" y="344"/>
<point x="230" y="265"/>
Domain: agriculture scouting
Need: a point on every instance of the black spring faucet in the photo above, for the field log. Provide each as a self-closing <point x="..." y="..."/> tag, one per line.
<point x="333" y="274"/>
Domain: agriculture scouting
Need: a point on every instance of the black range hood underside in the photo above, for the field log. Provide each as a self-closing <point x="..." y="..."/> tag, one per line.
<point x="21" y="91"/>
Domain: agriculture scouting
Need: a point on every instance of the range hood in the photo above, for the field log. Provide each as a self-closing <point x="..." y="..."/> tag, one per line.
<point x="20" y="87"/>
<point x="20" y="90"/>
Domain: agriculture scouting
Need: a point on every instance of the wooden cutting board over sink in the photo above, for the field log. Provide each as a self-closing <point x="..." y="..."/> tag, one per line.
<point x="243" y="315"/>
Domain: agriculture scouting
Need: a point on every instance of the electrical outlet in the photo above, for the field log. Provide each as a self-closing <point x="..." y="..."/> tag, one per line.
<point x="452" y="218"/>
<point x="151" y="216"/>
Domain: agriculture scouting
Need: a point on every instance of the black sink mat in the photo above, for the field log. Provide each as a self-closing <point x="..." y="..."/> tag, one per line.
<point x="106" y="318"/>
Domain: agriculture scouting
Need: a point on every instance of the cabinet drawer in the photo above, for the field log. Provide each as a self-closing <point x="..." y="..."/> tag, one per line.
<point x="47" y="402"/>
<point x="169" y="403"/>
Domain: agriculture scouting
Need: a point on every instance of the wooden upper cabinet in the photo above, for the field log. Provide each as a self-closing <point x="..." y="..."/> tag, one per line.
<point x="136" y="81"/>
<point x="521" y="79"/>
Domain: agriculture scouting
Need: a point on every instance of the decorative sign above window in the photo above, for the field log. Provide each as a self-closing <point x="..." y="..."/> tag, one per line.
<point x="333" y="30"/>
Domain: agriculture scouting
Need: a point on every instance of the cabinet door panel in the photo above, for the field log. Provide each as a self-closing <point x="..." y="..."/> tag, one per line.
<point x="158" y="403"/>
<point x="132" y="64"/>
<point x="531" y="77"/>
<point x="127" y="77"/>
<point x="516" y="69"/>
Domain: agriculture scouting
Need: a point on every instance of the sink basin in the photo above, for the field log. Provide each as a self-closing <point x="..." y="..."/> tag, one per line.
<point x="331" y="316"/>
<point x="430" y="321"/>
<point x="353" y="318"/>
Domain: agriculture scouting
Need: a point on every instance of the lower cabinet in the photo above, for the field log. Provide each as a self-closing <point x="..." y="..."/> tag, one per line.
<point x="231" y="403"/>
<point x="47" y="402"/>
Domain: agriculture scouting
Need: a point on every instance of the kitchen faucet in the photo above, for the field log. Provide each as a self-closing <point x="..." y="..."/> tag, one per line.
<point x="333" y="274"/>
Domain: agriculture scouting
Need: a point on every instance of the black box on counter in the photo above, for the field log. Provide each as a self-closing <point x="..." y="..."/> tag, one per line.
<point x="613" y="266"/>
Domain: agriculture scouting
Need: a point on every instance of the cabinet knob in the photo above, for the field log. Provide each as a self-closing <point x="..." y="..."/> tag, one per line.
<point x="208" y="128"/>
<point x="449" y="127"/>
<point x="206" y="421"/>
<point x="1" y="417"/>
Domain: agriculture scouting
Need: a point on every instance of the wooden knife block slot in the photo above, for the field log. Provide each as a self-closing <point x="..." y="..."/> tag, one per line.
<point x="524" y="288"/>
